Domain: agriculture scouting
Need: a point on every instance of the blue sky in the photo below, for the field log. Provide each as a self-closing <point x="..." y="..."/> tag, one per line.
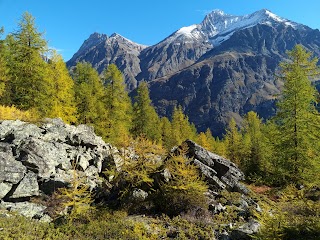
<point x="67" y="23"/>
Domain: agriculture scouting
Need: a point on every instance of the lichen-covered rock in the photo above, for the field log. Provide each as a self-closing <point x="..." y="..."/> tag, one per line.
<point x="39" y="156"/>
<point x="16" y="131"/>
<point x="31" y="210"/>
<point x="11" y="170"/>
<point x="27" y="187"/>
<point x="139" y="195"/>
<point x="4" y="189"/>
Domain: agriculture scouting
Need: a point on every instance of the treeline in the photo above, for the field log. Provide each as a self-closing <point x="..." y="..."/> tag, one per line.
<point x="35" y="83"/>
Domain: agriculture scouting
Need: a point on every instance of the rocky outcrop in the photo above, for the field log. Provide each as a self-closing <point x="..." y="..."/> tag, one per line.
<point x="220" y="172"/>
<point x="37" y="160"/>
<point x="226" y="194"/>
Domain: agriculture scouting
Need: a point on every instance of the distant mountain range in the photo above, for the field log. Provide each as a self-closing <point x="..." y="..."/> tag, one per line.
<point x="221" y="68"/>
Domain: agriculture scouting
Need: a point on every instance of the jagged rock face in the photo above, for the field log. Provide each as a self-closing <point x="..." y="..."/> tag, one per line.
<point x="101" y="50"/>
<point x="176" y="52"/>
<point x="220" y="173"/>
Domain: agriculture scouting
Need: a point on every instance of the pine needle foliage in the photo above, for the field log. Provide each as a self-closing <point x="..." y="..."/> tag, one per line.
<point x="233" y="141"/>
<point x="90" y="98"/>
<point x="205" y="141"/>
<point x="294" y="216"/>
<point x="136" y="172"/>
<point x="181" y="128"/>
<point x="256" y="151"/>
<point x="4" y="70"/>
<point x="166" y="133"/>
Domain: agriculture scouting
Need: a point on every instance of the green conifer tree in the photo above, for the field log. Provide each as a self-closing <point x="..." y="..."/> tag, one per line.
<point x="29" y="85"/>
<point x="3" y="65"/>
<point x="298" y="148"/>
<point x="145" y="119"/>
<point x="119" y="107"/>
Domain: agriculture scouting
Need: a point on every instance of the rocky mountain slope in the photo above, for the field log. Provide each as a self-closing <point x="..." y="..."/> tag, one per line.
<point x="221" y="68"/>
<point x="101" y="50"/>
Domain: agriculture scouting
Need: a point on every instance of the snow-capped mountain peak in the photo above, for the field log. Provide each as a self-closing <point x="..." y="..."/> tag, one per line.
<point x="93" y="40"/>
<point x="117" y="39"/>
<point x="219" y="26"/>
<point x="218" y="12"/>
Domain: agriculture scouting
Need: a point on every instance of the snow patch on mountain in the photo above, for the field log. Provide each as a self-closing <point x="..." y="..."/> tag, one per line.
<point x="189" y="34"/>
<point x="188" y="31"/>
<point x="118" y="37"/>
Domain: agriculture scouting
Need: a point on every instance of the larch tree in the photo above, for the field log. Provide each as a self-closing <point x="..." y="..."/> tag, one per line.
<point x="118" y="105"/>
<point x="145" y="119"/>
<point x="29" y="85"/>
<point x="219" y="147"/>
<point x="63" y="98"/>
<point x="3" y="65"/>
<point x="90" y="97"/>
<point x="182" y="129"/>
<point x="166" y="133"/>
<point x="297" y="117"/>
<point x="233" y="141"/>
<point x="206" y="140"/>
<point x="255" y="145"/>
<point x="215" y="145"/>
